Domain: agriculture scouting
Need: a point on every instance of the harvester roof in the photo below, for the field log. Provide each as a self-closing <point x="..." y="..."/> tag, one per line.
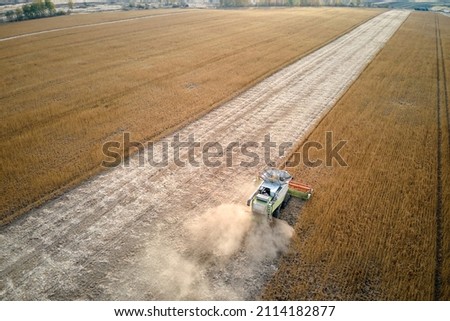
<point x="275" y="176"/>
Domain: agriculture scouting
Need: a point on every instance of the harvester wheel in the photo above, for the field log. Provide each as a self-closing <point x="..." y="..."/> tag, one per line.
<point x="286" y="200"/>
<point x="276" y="213"/>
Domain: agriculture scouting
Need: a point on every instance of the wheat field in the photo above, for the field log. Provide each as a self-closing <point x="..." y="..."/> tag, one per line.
<point x="65" y="93"/>
<point x="371" y="231"/>
<point x="30" y="26"/>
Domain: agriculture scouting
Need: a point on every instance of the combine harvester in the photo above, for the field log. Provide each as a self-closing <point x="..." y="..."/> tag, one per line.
<point x="274" y="192"/>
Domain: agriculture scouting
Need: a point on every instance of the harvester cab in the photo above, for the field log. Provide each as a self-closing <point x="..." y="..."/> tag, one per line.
<point x="274" y="191"/>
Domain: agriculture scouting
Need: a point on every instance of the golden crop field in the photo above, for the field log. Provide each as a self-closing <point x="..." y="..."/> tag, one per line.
<point x="379" y="228"/>
<point x="65" y="93"/>
<point x="8" y="30"/>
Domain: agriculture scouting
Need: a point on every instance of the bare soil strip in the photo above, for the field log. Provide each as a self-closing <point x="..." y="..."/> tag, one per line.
<point x="143" y="232"/>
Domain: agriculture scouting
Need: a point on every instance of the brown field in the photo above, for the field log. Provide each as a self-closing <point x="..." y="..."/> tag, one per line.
<point x="13" y="29"/>
<point x="65" y="93"/>
<point x="379" y="228"/>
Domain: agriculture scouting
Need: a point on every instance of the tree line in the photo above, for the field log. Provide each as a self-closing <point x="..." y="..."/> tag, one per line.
<point x="36" y="9"/>
<point x="245" y="3"/>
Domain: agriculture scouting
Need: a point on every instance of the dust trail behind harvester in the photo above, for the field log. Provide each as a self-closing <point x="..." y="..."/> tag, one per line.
<point x="220" y="231"/>
<point x="227" y="229"/>
<point x="211" y="244"/>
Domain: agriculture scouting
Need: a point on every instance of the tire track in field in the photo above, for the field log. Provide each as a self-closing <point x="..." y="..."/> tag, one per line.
<point x="439" y="229"/>
<point x="122" y="234"/>
<point x="444" y="78"/>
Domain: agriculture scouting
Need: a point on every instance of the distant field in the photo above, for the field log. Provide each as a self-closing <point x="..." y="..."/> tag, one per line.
<point x="65" y="93"/>
<point x="379" y="229"/>
<point x="13" y="29"/>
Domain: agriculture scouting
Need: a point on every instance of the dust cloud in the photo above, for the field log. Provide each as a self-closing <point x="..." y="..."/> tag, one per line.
<point x="223" y="231"/>
<point x="267" y="241"/>
<point x="220" y="231"/>
<point x="208" y="258"/>
<point x="216" y="239"/>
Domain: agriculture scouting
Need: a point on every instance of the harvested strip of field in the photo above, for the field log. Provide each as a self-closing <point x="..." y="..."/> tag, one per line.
<point x="370" y="232"/>
<point x="147" y="232"/>
<point x="63" y="94"/>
